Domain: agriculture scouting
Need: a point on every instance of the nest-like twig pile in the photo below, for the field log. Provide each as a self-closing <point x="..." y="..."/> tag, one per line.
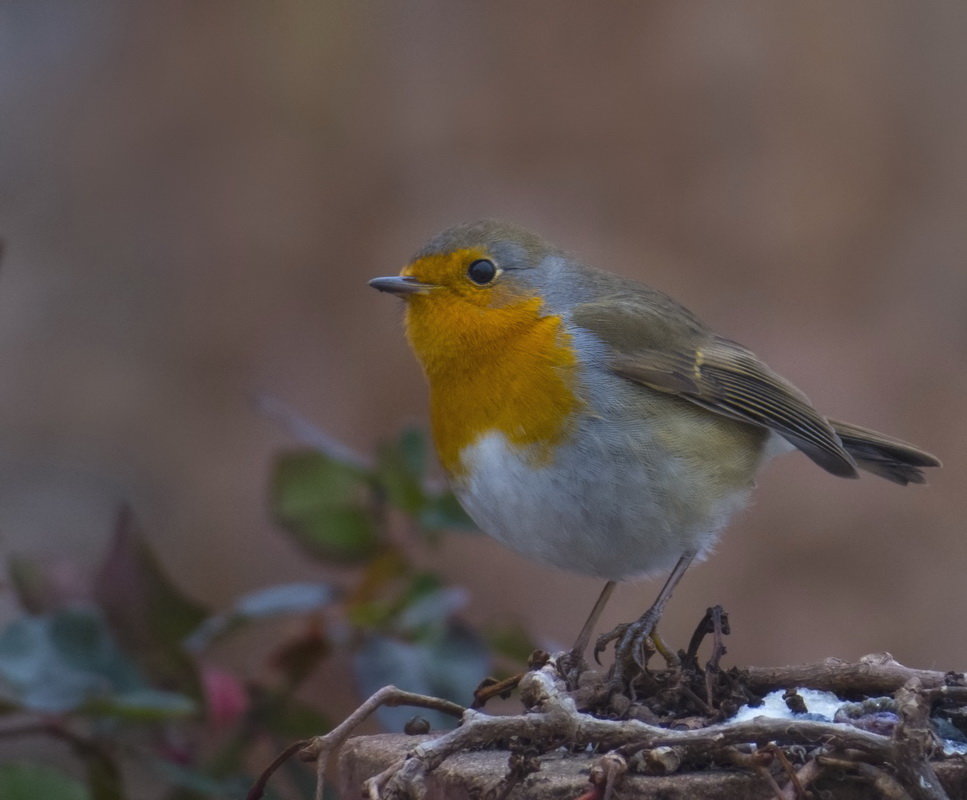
<point x="675" y="721"/>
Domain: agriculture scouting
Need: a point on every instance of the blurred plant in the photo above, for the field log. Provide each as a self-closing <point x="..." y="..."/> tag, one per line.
<point x="125" y="676"/>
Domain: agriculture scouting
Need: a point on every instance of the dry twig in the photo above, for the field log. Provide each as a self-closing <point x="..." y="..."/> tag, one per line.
<point x="321" y="747"/>
<point x="872" y="675"/>
<point x="897" y="764"/>
<point x="554" y="718"/>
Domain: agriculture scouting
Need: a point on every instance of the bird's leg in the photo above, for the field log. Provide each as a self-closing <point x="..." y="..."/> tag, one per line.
<point x="631" y="636"/>
<point x="574" y="660"/>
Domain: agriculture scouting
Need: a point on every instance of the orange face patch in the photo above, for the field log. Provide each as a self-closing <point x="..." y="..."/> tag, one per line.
<point x="494" y="361"/>
<point x="449" y="270"/>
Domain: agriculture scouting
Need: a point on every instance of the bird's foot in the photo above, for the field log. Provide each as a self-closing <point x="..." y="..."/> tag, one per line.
<point x="634" y="646"/>
<point x="607" y="638"/>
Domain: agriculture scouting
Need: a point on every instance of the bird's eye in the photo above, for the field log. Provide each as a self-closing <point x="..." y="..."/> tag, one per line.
<point x="482" y="271"/>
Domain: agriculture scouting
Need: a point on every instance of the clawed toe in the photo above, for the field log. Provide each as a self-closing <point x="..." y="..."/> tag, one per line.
<point x="607" y="638"/>
<point x="629" y="653"/>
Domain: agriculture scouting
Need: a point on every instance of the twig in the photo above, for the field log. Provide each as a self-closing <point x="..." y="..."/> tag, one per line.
<point x="553" y="714"/>
<point x="687" y="690"/>
<point x="520" y="764"/>
<point x="806" y="775"/>
<point x="915" y="741"/>
<point x="873" y="674"/>
<point x="790" y="771"/>
<point x="702" y="630"/>
<point x="885" y="785"/>
<point x="767" y="777"/>
<point x="372" y="787"/>
<point x="320" y="748"/>
<point x="757" y="761"/>
<point x="304" y="431"/>
<point x="490" y="688"/>
<point x="607" y="772"/>
<point x="258" y="788"/>
<point x="899" y="762"/>
<point x="720" y="627"/>
<point x="946" y="693"/>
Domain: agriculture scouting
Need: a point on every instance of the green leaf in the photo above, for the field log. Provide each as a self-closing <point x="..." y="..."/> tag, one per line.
<point x="443" y="511"/>
<point x="449" y="666"/>
<point x="83" y="642"/>
<point x="36" y="782"/>
<point x="33" y="781"/>
<point x="324" y="504"/>
<point x="511" y="641"/>
<point x="103" y="774"/>
<point x="142" y="705"/>
<point x="68" y="661"/>
<point x="431" y="609"/>
<point x="458" y="661"/>
<point x="380" y="611"/>
<point x="412" y="446"/>
<point x="58" y="662"/>
<point x="31" y="584"/>
<point x="400" y="472"/>
<point x="290" y="718"/>
<point x="148" y="613"/>
<point x="286" y="598"/>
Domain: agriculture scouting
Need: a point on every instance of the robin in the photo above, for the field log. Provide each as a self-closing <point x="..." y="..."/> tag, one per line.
<point x="593" y="423"/>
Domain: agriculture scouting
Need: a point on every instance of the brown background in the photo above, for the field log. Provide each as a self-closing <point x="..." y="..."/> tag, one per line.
<point x="193" y="196"/>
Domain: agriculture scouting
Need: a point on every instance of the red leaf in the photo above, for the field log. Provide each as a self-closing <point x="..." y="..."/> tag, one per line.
<point x="147" y="612"/>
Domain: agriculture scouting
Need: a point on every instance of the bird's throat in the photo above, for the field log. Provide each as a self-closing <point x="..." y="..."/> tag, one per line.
<point x="509" y="370"/>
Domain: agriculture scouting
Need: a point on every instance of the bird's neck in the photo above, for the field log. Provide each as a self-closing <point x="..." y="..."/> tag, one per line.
<point x="509" y="370"/>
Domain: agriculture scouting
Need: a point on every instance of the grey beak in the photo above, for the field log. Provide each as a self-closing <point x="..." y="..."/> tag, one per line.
<point x="400" y="285"/>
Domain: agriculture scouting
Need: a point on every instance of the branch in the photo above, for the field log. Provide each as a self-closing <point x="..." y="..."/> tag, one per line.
<point x="554" y="719"/>
<point x="321" y="747"/>
<point x="897" y="764"/>
<point x="873" y="674"/>
<point x="304" y="431"/>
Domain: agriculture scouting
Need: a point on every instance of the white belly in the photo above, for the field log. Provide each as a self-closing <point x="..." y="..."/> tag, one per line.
<point x="599" y="508"/>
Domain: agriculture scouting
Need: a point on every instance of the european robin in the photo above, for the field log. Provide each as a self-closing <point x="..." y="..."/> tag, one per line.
<point x="593" y="423"/>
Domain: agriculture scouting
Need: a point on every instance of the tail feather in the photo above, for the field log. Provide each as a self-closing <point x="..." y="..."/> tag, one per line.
<point x="890" y="458"/>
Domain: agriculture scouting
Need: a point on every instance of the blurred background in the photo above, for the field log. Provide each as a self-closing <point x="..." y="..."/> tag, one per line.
<point x="193" y="197"/>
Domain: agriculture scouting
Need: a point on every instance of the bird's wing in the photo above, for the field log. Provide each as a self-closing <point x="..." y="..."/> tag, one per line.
<point x="680" y="356"/>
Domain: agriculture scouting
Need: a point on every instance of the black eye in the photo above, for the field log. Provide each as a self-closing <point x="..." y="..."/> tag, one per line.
<point x="482" y="271"/>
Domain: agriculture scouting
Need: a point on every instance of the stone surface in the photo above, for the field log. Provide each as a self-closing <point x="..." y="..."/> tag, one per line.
<point x="469" y="776"/>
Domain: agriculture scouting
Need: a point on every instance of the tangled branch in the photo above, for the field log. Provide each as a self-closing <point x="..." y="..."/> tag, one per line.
<point x="899" y="763"/>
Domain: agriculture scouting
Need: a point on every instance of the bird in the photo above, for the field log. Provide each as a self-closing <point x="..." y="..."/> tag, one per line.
<point x="593" y="423"/>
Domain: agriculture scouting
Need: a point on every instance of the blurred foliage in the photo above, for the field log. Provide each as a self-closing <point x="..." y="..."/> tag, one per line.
<point x="127" y="679"/>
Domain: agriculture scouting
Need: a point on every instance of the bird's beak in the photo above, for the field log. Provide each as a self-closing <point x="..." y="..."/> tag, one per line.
<point x="401" y="285"/>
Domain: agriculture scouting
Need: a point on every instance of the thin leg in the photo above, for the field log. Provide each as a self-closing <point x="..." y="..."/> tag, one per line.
<point x="571" y="664"/>
<point x="631" y="636"/>
<point x="581" y="643"/>
<point x="666" y="591"/>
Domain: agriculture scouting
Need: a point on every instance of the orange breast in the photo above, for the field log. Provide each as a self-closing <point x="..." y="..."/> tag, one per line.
<point x="503" y="368"/>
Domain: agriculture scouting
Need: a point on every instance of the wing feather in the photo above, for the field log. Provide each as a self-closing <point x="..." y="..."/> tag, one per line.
<point x="715" y="373"/>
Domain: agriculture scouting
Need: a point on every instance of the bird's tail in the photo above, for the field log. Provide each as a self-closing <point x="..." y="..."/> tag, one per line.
<point x="883" y="455"/>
